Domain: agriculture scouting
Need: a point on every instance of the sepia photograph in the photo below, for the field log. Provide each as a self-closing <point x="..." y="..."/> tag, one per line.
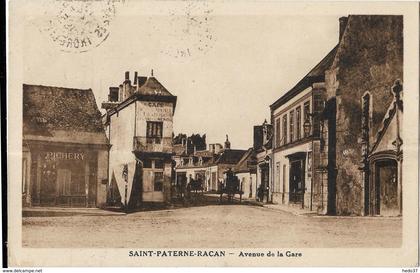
<point x="211" y="130"/>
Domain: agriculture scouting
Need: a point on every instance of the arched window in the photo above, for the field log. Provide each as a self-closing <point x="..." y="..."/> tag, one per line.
<point x="366" y="117"/>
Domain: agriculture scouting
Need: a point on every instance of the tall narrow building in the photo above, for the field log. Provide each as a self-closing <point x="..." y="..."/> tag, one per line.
<point x="139" y="125"/>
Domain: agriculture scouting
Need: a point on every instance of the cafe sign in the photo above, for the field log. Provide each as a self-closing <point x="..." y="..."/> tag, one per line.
<point x="64" y="156"/>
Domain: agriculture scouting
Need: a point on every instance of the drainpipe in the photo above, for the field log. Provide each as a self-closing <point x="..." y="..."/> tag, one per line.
<point x="397" y="88"/>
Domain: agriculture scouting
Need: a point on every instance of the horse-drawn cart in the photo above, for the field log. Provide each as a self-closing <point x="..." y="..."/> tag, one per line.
<point x="230" y="186"/>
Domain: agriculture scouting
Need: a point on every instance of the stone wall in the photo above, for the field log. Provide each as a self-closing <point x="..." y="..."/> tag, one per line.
<point x="369" y="58"/>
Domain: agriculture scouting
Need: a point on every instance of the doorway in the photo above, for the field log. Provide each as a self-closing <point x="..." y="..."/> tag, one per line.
<point x="297" y="181"/>
<point x="386" y="188"/>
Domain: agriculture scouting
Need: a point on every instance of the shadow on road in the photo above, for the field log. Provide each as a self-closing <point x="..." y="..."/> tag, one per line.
<point x="196" y="200"/>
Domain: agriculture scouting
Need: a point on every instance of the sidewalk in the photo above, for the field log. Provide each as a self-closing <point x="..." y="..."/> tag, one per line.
<point x="298" y="211"/>
<point x="65" y="211"/>
<point x="295" y="210"/>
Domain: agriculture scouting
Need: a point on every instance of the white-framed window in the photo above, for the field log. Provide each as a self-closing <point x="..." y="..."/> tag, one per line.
<point x="158" y="181"/>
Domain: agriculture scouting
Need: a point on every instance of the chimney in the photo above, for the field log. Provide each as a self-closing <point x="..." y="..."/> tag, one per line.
<point x="227" y="143"/>
<point x="186" y="145"/>
<point x="113" y="94"/>
<point x="135" y="78"/>
<point x="127" y="75"/>
<point x="120" y="93"/>
<point x="343" y="24"/>
<point x="126" y="86"/>
<point x="211" y="148"/>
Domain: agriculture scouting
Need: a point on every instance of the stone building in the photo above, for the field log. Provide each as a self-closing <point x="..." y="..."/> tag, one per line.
<point x="190" y="151"/>
<point x="65" y="149"/>
<point x="358" y="85"/>
<point x="328" y="127"/>
<point x="139" y="125"/>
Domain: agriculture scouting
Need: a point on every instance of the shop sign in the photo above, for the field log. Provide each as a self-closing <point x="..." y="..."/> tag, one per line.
<point x="64" y="156"/>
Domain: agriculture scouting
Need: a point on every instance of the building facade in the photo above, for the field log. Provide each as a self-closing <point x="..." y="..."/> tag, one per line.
<point x="296" y="143"/>
<point x="208" y="165"/>
<point x="358" y="84"/>
<point x="190" y="153"/>
<point x="328" y="127"/>
<point x="65" y="149"/>
<point x="139" y="125"/>
<point x="246" y="171"/>
<point x="262" y="147"/>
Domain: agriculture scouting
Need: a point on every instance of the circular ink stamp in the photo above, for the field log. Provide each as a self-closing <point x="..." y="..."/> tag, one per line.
<point x="78" y="25"/>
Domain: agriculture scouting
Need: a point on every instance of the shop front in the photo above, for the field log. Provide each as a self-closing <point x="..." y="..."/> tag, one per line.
<point x="63" y="176"/>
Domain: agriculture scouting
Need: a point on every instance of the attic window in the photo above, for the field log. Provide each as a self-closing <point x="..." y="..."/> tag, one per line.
<point x="157" y="92"/>
<point x="40" y="120"/>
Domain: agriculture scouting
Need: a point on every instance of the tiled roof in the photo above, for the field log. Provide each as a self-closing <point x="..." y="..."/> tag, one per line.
<point x="153" y="87"/>
<point x="61" y="114"/>
<point x="230" y="156"/>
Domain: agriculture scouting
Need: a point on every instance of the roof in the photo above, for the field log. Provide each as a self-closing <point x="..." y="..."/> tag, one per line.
<point x="204" y="153"/>
<point x="61" y="114"/>
<point x="153" y="87"/>
<point x="229" y="156"/>
<point x="244" y="162"/>
<point x="317" y="74"/>
<point x="392" y="110"/>
<point x="179" y="149"/>
<point x="151" y="90"/>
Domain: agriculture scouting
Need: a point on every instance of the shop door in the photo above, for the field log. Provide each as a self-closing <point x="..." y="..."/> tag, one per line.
<point x="386" y="188"/>
<point x="48" y="184"/>
<point x="296" y="182"/>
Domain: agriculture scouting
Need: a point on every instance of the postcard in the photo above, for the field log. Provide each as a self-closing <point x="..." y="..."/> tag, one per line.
<point x="212" y="133"/>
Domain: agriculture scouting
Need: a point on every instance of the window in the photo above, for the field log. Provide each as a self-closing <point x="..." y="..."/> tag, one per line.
<point x="298" y="123"/>
<point x="366" y="112"/>
<point x="154" y="131"/>
<point x="64" y="181"/>
<point x="283" y="188"/>
<point x="277" y="185"/>
<point x="291" y="125"/>
<point x="306" y="117"/>
<point x="158" y="181"/>
<point x="284" y="129"/>
<point x="278" y="137"/>
<point x="147" y="163"/>
<point x="158" y="164"/>
<point x="309" y="164"/>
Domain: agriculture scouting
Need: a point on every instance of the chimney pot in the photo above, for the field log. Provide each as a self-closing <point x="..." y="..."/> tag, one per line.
<point x="135" y="77"/>
<point x="127" y="75"/>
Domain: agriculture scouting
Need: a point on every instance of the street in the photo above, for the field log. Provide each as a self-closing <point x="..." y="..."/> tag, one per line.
<point x="214" y="226"/>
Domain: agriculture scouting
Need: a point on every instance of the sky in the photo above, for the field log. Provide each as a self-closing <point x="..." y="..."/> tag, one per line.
<point x="226" y="63"/>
